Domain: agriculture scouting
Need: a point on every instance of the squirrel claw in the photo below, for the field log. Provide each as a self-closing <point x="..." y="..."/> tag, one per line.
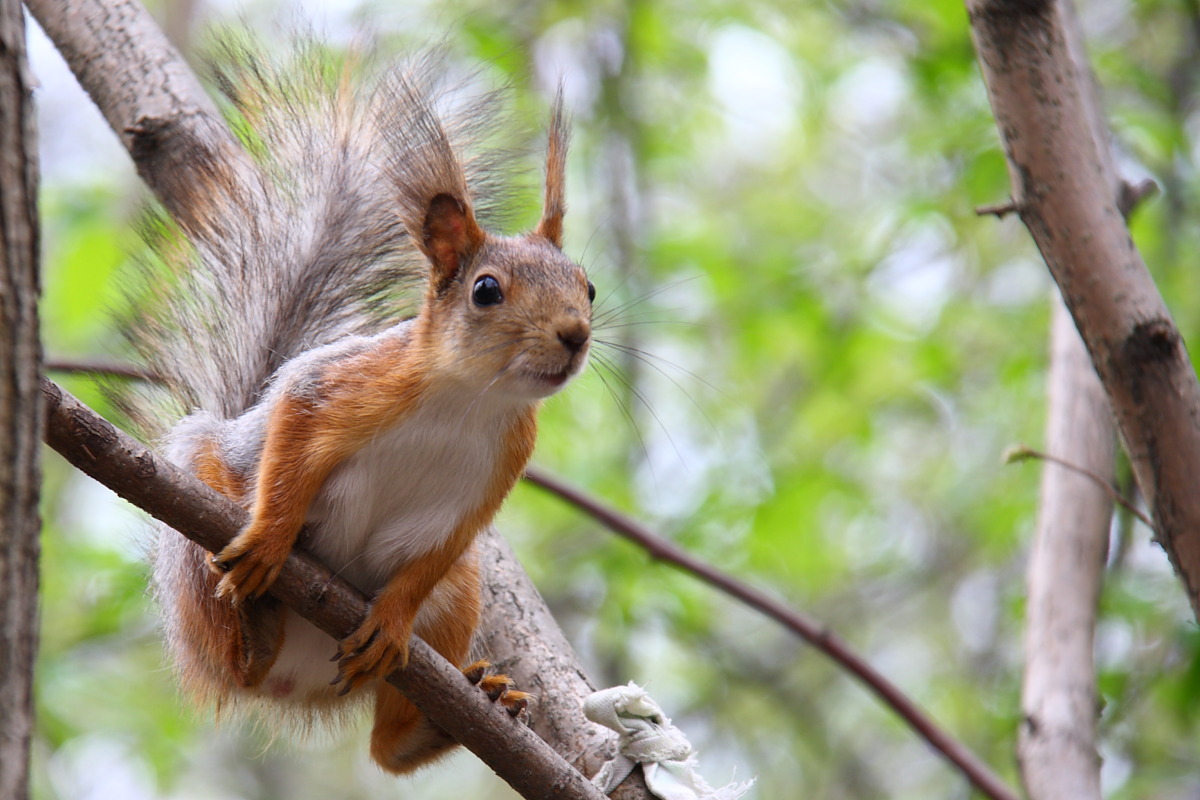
<point x="515" y="702"/>
<point x="475" y="672"/>
<point x="494" y="686"/>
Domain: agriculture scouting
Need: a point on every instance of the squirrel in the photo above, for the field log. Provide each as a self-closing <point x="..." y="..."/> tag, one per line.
<point x="382" y="448"/>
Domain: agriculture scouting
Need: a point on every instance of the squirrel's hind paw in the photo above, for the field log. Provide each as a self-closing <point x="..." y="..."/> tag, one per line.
<point x="372" y="651"/>
<point x="499" y="688"/>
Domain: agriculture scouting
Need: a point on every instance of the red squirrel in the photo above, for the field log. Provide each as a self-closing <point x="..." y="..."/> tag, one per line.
<point x="381" y="450"/>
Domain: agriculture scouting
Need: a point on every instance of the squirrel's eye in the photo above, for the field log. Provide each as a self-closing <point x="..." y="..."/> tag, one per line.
<point x="487" y="291"/>
<point x="591" y="292"/>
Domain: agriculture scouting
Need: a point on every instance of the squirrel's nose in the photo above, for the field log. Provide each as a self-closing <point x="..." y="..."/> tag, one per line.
<point x="575" y="335"/>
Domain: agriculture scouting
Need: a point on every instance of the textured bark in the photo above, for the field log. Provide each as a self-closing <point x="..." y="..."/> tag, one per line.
<point x="20" y="405"/>
<point x="1057" y="740"/>
<point x="1061" y="189"/>
<point x="520" y="636"/>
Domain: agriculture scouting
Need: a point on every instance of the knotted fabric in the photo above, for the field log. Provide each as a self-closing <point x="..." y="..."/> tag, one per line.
<point x="648" y="738"/>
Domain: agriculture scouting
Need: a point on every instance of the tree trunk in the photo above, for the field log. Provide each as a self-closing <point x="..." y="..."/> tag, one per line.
<point x="20" y="405"/>
<point x="1057" y="740"/>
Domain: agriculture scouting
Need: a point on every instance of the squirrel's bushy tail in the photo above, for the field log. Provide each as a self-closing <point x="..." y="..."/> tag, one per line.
<point x="302" y="242"/>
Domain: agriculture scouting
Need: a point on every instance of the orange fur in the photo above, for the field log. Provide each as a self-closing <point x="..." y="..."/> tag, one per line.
<point x="304" y="443"/>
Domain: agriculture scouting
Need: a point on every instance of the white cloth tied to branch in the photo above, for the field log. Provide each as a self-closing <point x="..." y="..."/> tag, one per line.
<point x="648" y="738"/>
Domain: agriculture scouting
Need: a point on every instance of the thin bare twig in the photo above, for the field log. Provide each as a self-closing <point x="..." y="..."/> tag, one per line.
<point x="1131" y="195"/>
<point x="90" y="366"/>
<point x="1022" y="452"/>
<point x="816" y="634"/>
<point x="998" y="210"/>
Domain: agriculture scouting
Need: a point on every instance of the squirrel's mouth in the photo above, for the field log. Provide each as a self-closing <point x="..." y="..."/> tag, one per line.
<point x="548" y="382"/>
<point x="555" y="379"/>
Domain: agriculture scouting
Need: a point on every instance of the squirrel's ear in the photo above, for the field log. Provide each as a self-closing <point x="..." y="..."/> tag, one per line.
<point x="551" y="225"/>
<point x="449" y="237"/>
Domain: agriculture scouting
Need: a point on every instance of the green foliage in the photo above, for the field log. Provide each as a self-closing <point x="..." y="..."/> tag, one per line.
<point x="777" y="204"/>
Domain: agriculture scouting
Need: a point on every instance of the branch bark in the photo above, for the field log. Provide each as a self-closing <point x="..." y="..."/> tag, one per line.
<point x="512" y="750"/>
<point x="1057" y="740"/>
<point x="1062" y="189"/>
<point x="20" y="404"/>
<point x="144" y="88"/>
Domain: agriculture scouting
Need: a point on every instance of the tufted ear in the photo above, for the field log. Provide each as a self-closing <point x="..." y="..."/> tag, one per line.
<point x="450" y="237"/>
<point x="551" y="225"/>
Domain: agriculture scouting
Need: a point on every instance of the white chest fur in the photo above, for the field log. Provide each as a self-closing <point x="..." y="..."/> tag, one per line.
<point x="406" y="491"/>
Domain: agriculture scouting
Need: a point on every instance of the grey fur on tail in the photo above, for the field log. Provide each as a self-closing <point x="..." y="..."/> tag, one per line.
<point x="303" y="243"/>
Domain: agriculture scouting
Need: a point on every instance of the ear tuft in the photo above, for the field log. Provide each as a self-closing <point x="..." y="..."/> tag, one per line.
<point x="555" y="205"/>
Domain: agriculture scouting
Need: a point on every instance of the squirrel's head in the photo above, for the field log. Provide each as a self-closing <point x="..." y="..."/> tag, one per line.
<point x="512" y="314"/>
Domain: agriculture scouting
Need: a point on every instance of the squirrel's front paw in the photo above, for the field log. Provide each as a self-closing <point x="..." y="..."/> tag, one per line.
<point x="498" y="688"/>
<point x="375" y="650"/>
<point x="248" y="567"/>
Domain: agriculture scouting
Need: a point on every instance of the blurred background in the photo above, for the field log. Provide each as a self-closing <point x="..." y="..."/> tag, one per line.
<point x="830" y="353"/>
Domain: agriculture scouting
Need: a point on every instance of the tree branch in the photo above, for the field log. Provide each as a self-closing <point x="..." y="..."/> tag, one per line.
<point x="169" y="494"/>
<point x="92" y="366"/>
<point x="820" y="637"/>
<point x="1022" y="453"/>
<point x="1063" y="188"/>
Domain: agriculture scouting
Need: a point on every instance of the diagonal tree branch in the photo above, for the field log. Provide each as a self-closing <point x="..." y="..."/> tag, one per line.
<point x="1062" y="188"/>
<point x="146" y="91"/>
<point x="820" y="637"/>
<point x="516" y="754"/>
